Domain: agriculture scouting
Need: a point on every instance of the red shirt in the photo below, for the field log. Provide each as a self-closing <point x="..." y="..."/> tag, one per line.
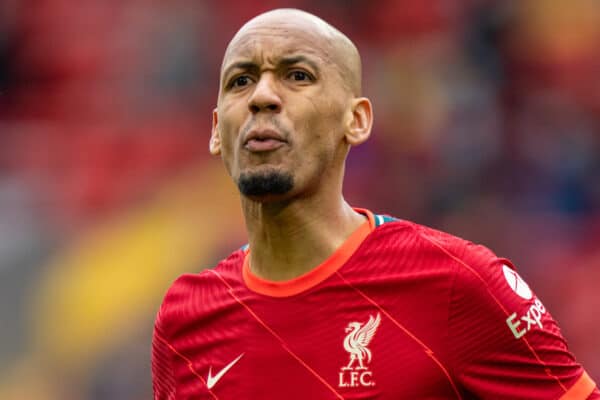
<point x="398" y="311"/>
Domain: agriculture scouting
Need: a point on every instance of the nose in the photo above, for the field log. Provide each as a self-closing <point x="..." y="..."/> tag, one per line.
<point x="265" y="96"/>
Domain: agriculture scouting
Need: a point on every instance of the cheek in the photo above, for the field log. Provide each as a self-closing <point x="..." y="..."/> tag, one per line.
<point x="229" y="128"/>
<point x="325" y="123"/>
<point x="228" y="148"/>
<point x="321" y="142"/>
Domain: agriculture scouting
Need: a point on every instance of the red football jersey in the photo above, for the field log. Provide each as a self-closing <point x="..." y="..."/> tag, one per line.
<point x="399" y="311"/>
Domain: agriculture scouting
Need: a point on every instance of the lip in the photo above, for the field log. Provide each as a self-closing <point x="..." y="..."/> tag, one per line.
<point x="263" y="140"/>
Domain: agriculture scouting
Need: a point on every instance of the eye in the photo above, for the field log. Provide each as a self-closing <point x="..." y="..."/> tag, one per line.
<point x="240" y="81"/>
<point x="300" y="76"/>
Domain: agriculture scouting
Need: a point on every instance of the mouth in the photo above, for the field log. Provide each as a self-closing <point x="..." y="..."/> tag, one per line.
<point x="257" y="141"/>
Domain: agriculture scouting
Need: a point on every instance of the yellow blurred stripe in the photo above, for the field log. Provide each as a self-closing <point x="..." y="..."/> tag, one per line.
<point x="95" y="292"/>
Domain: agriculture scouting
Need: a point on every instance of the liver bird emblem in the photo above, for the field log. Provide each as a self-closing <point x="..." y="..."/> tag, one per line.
<point x="358" y="339"/>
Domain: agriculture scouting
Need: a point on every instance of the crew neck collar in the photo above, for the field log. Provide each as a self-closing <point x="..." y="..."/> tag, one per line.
<point x="318" y="274"/>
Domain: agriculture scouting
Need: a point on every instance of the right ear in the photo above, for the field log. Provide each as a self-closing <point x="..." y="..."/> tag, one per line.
<point x="215" y="138"/>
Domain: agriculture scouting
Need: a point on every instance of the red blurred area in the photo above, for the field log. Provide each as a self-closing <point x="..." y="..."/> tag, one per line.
<point x="487" y="126"/>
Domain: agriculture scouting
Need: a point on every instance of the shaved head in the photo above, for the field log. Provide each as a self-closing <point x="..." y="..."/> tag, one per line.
<point x="341" y="52"/>
<point x="289" y="106"/>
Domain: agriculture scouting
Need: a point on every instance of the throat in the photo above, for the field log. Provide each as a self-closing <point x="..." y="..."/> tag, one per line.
<point x="286" y="268"/>
<point x="282" y="253"/>
<point x="282" y="262"/>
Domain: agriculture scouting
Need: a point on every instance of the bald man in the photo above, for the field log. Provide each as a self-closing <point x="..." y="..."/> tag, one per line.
<point x="328" y="301"/>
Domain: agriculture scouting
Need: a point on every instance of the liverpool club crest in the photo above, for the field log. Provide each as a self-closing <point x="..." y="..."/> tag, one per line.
<point x="358" y="337"/>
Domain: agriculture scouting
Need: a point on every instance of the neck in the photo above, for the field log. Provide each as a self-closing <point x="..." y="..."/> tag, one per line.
<point x="289" y="239"/>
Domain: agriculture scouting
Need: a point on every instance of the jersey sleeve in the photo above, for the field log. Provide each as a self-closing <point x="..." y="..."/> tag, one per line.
<point x="163" y="382"/>
<point x="503" y="342"/>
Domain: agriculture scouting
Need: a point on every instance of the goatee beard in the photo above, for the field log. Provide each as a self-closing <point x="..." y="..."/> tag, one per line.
<point x="262" y="184"/>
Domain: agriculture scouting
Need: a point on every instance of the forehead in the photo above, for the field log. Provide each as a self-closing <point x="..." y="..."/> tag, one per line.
<point x="269" y="43"/>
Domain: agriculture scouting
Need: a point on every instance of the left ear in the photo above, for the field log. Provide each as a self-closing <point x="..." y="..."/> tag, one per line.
<point x="360" y="125"/>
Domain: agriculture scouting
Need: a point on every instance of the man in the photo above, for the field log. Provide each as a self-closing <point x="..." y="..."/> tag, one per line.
<point x="327" y="301"/>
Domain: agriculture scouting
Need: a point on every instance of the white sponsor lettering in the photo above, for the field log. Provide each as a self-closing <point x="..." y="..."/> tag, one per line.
<point x="532" y="318"/>
<point x="514" y="326"/>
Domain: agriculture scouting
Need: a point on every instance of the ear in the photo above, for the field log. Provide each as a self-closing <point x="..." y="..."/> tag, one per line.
<point x="360" y="125"/>
<point x="215" y="138"/>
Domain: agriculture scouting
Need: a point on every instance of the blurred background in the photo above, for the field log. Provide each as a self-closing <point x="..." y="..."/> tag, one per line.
<point x="487" y="126"/>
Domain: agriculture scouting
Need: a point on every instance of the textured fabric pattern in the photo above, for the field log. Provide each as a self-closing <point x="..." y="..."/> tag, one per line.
<point x="413" y="313"/>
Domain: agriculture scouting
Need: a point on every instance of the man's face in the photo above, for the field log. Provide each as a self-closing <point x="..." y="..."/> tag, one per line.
<point x="282" y="112"/>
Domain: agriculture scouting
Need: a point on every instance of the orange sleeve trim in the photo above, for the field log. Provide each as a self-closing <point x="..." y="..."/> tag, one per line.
<point x="316" y="275"/>
<point x="581" y="389"/>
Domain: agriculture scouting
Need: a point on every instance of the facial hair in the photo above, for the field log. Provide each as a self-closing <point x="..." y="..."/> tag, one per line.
<point x="262" y="184"/>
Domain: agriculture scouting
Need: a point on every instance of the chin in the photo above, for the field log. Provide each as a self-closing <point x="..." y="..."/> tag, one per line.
<point x="265" y="185"/>
<point x="271" y="199"/>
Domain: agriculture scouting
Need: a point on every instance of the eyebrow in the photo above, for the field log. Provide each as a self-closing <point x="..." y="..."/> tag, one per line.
<point x="244" y="65"/>
<point x="284" y="61"/>
<point x="287" y="61"/>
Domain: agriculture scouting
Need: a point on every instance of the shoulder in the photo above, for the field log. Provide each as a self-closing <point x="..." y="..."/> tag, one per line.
<point x="470" y="273"/>
<point x="496" y="326"/>
<point x="206" y="279"/>
<point x="432" y="245"/>
<point x="194" y="293"/>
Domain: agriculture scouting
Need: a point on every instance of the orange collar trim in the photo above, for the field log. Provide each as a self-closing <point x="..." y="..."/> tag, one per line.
<point x="316" y="275"/>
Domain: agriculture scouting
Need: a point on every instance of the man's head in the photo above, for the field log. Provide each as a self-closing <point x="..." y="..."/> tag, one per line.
<point x="289" y="106"/>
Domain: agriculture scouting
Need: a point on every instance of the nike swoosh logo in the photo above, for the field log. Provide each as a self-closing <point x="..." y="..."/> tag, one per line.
<point x="212" y="380"/>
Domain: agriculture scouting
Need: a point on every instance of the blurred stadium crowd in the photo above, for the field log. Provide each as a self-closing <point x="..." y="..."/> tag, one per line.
<point x="487" y="126"/>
